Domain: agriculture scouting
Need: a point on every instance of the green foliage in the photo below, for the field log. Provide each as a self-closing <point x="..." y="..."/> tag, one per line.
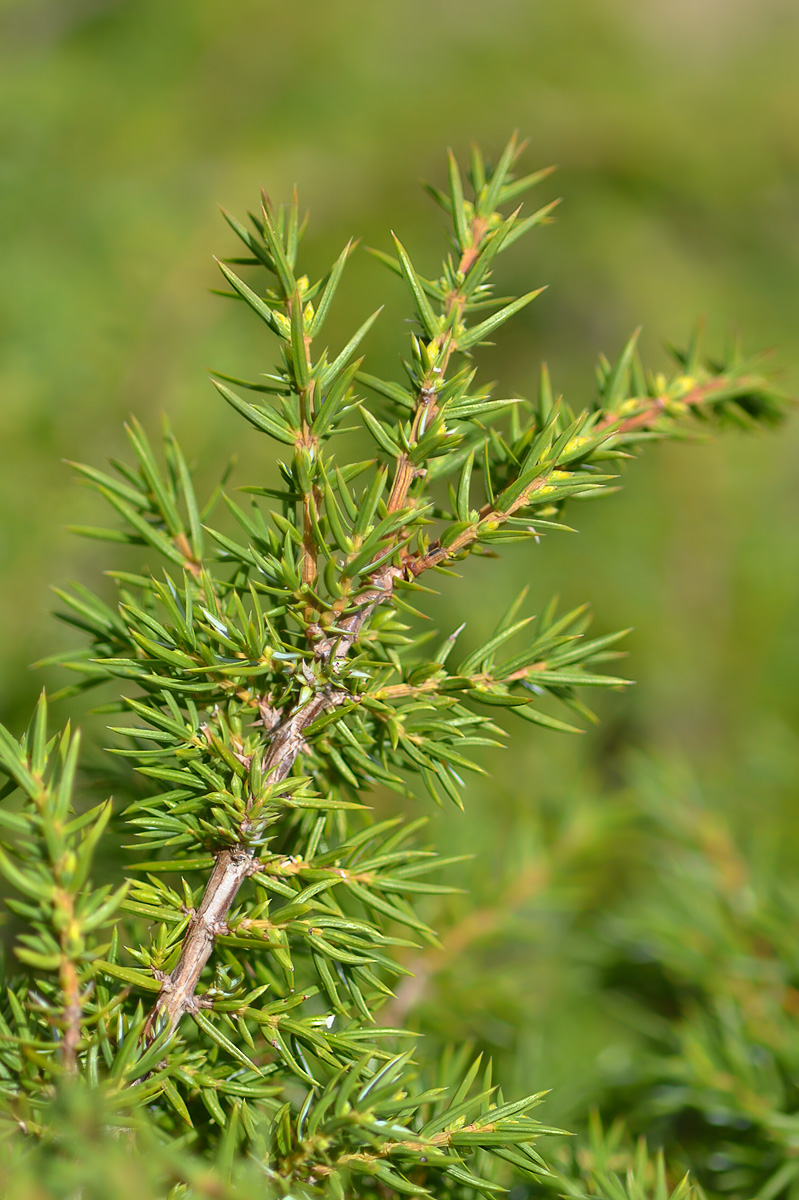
<point x="714" y="940"/>
<point x="607" y="1167"/>
<point x="268" y="675"/>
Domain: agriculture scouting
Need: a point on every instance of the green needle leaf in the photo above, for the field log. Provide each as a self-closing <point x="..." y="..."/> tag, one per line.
<point x="478" y="333"/>
<point x="430" y="322"/>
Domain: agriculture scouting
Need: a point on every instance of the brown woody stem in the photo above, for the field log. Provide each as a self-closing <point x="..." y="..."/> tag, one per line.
<point x="426" y="409"/>
<point x="70" y="988"/>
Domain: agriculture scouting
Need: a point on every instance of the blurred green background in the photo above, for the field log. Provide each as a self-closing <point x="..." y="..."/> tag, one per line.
<point x="676" y="128"/>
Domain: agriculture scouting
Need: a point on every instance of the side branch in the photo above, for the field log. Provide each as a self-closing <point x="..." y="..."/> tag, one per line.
<point x="611" y="424"/>
<point x="655" y="407"/>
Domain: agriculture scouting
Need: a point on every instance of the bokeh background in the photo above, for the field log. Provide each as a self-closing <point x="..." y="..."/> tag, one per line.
<point x="676" y="129"/>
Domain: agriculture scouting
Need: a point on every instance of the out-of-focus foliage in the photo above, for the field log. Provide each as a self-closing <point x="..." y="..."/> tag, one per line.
<point x="607" y="1165"/>
<point x="656" y="944"/>
<point x="708" y="956"/>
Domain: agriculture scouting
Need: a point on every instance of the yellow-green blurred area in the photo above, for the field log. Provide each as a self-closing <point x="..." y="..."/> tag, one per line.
<point x="676" y="130"/>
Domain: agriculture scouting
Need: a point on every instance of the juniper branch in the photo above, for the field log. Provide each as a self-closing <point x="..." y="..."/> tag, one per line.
<point x="274" y="682"/>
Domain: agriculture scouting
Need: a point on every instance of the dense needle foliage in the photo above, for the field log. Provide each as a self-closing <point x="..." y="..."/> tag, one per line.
<point x="222" y="1005"/>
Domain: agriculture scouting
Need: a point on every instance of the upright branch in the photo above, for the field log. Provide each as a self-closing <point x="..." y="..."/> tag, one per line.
<point x="49" y="867"/>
